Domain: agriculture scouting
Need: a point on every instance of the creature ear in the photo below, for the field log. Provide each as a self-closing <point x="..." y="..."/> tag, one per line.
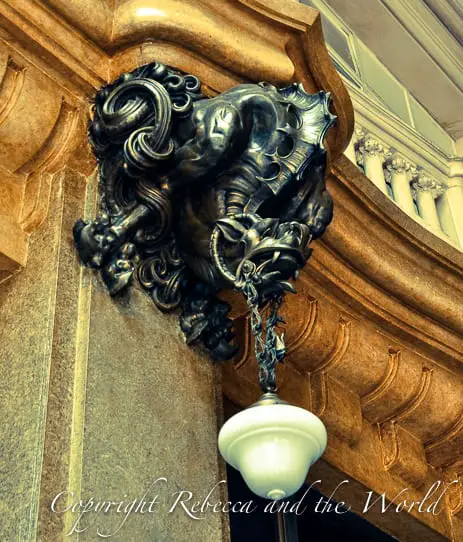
<point x="232" y="230"/>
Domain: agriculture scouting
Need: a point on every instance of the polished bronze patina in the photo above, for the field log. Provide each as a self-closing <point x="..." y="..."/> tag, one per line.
<point x="201" y="194"/>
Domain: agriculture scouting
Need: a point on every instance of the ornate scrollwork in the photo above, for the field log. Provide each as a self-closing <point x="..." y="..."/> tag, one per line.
<point x="197" y="191"/>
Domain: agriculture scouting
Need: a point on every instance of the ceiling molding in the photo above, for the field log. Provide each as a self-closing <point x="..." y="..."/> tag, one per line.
<point x="432" y="35"/>
<point x="450" y="14"/>
<point x="418" y="49"/>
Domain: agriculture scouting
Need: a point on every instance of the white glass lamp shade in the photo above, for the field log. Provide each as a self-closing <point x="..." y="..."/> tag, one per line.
<point x="273" y="446"/>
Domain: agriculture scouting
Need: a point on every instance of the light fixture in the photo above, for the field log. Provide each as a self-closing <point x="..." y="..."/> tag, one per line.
<point x="201" y="194"/>
<point x="273" y="445"/>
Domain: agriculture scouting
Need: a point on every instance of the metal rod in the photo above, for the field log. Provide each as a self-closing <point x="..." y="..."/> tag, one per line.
<point x="287" y="527"/>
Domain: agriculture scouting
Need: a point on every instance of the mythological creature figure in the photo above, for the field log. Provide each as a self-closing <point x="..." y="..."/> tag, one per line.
<point x="200" y="194"/>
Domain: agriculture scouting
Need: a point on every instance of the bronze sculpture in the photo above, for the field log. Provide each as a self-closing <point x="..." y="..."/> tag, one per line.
<point x="200" y="194"/>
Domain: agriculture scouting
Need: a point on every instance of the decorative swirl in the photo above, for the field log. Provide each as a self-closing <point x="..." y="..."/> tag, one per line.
<point x="118" y="194"/>
<point x="134" y="117"/>
<point x="145" y="98"/>
<point x="160" y="205"/>
<point x="141" y="150"/>
<point x="137" y="102"/>
<point x="164" y="274"/>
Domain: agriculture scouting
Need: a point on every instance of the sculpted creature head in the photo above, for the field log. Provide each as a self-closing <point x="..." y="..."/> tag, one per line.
<point x="217" y="191"/>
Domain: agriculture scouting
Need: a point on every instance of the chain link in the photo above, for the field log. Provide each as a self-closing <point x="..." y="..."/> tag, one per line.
<point x="271" y="349"/>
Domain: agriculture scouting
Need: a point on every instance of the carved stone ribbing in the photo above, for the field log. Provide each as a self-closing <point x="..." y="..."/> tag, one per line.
<point x="392" y="408"/>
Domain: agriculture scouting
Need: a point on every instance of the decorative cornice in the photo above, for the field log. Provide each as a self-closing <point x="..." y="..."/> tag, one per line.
<point x="41" y="124"/>
<point x="291" y="48"/>
<point x="405" y="240"/>
<point x="78" y="63"/>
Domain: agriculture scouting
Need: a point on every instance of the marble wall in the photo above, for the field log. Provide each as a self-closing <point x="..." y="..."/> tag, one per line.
<point x="100" y="397"/>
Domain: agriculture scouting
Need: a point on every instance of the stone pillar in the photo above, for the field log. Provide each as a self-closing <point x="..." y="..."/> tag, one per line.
<point x="397" y="169"/>
<point x="350" y="150"/>
<point x="426" y="192"/>
<point x="28" y="303"/>
<point x="371" y="153"/>
<point x="450" y="205"/>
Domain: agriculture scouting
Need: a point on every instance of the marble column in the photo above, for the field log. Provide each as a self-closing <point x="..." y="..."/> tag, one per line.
<point x="426" y="192"/>
<point x="351" y="150"/>
<point x="371" y="153"/>
<point x="450" y="210"/>
<point x="397" y="169"/>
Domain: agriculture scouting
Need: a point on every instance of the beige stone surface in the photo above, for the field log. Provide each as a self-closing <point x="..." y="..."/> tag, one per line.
<point x="76" y="362"/>
<point x="66" y="391"/>
<point x="27" y="305"/>
<point x="150" y="412"/>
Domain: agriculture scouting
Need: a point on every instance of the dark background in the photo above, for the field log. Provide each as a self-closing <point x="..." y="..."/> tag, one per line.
<point x="260" y="526"/>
